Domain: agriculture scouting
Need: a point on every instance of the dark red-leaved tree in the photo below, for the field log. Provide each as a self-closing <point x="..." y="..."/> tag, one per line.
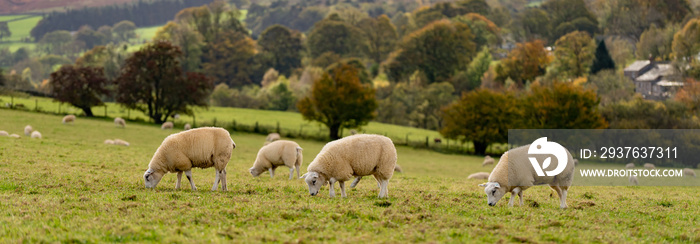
<point x="152" y="81"/>
<point x="82" y="87"/>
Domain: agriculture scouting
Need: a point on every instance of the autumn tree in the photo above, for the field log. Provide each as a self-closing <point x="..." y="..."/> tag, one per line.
<point x="573" y="54"/>
<point x="656" y="42"/>
<point x="602" y="59"/>
<point x="339" y="100"/>
<point x="562" y="105"/>
<point x="611" y="86"/>
<point x="332" y="34"/>
<point x="82" y="87"/>
<point x="152" y="81"/>
<point x="569" y="15"/>
<point x="690" y="95"/>
<point x="640" y="113"/>
<point x="686" y="45"/>
<point x="109" y="57"/>
<point x="228" y="58"/>
<point x="483" y="117"/>
<point x="211" y="20"/>
<point x="535" y="24"/>
<point x="524" y="63"/>
<point x="284" y="47"/>
<point x="436" y="50"/>
<point x="381" y="36"/>
<point x="485" y="32"/>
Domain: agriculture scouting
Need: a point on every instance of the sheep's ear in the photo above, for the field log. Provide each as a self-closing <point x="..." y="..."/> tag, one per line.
<point x="482" y="185"/>
<point x="304" y="175"/>
<point x="497" y="185"/>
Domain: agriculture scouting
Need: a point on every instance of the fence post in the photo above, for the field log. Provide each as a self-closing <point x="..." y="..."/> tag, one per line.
<point x="59" y="108"/>
<point x="128" y="113"/>
<point x="214" y="122"/>
<point x="426" y="142"/>
<point x="257" y="127"/>
<point x="194" y="119"/>
<point x="36" y="105"/>
<point x="105" y="110"/>
<point x="234" y="125"/>
<point x="278" y="127"/>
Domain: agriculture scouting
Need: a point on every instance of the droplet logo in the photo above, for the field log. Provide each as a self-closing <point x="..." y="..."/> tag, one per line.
<point x="542" y="146"/>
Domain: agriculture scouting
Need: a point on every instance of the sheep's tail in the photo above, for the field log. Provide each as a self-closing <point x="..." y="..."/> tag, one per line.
<point x="354" y="183"/>
<point x="299" y="157"/>
<point x="397" y="168"/>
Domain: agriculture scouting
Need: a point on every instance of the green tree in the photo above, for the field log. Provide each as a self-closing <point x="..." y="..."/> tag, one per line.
<point x="56" y="42"/>
<point x="190" y="42"/>
<point x="475" y="6"/>
<point x="602" y="59"/>
<point x="640" y="113"/>
<point x="334" y="35"/>
<point x="339" y="100"/>
<point x="686" y="45"/>
<point x="381" y="37"/>
<point x="152" y="81"/>
<point x="572" y="13"/>
<point x="470" y="78"/>
<point x="90" y="37"/>
<point x="82" y="87"/>
<point x="2" y="78"/>
<point x="228" y="59"/>
<point x="535" y="24"/>
<point x="656" y="42"/>
<point x="4" y="30"/>
<point x="124" y="30"/>
<point x="211" y="20"/>
<point x="281" y="97"/>
<point x="284" y="46"/>
<point x="486" y="33"/>
<point x="109" y="57"/>
<point x="562" y="105"/>
<point x="483" y="117"/>
<point x="573" y="54"/>
<point x="611" y="86"/>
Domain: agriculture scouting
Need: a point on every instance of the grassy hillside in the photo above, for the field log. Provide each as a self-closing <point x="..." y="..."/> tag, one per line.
<point x="69" y="187"/>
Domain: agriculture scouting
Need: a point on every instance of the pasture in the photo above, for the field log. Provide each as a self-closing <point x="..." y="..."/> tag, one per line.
<point x="69" y="187"/>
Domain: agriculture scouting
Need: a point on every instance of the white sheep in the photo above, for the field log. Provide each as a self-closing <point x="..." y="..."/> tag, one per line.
<point x="515" y="173"/>
<point x="633" y="180"/>
<point x="688" y="172"/>
<point x="629" y="165"/>
<point x="28" y="130"/>
<point x="109" y="142"/>
<point x="166" y="125"/>
<point x="649" y="166"/>
<point x="120" y="142"/>
<point x="278" y="153"/>
<point x="118" y="121"/>
<point x="15" y="136"/>
<point x="273" y="137"/>
<point x="575" y="162"/>
<point x="197" y="148"/>
<point x="487" y="160"/>
<point x="68" y="119"/>
<point x="188" y="126"/>
<point x="349" y="157"/>
<point x="36" y="134"/>
<point x="479" y="175"/>
<point x="4" y="133"/>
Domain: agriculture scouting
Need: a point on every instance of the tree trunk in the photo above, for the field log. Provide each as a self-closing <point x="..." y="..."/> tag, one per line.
<point x="334" y="129"/>
<point x="87" y="111"/>
<point x="480" y="148"/>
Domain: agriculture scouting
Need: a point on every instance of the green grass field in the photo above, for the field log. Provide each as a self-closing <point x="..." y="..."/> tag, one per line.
<point x="69" y="187"/>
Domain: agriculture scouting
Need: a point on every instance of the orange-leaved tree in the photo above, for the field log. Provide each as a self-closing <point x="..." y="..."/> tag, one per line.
<point x="562" y="105"/>
<point x="526" y="62"/>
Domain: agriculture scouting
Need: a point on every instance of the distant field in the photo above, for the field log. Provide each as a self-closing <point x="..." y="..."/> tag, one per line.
<point x="70" y="187"/>
<point x="20" y="28"/>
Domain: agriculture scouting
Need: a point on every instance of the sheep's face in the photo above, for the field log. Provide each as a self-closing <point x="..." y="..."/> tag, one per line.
<point x="315" y="182"/>
<point x="494" y="192"/>
<point x="255" y="172"/>
<point x="152" y="178"/>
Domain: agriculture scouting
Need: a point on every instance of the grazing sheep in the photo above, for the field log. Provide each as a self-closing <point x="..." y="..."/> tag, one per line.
<point x="275" y="154"/>
<point x="479" y="175"/>
<point x="15" y="136"/>
<point x="272" y="137"/>
<point x="188" y="126"/>
<point x="69" y="119"/>
<point x="36" y="134"/>
<point x="688" y="172"/>
<point x="649" y="166"/>
<point x="633" y="180"/>
<point x="121" y="142"/>
<point x="196" y="148"/>
<point x="353" y="132"/>
<point x="514" y="172"/>
<point x="109" y="142"/>
<point x="629" y="165"/>
<point x="166" y="125"/>
<point x="176" y="116"/>
<point x="4" y="133"/>
<point x="575" y="162"/>
<point x="349" y="157"/>
<point x="487" y="160"/>
<point x="28" y="130"/>
<point x="120" y="122"/>
<point x="397" y="168"/>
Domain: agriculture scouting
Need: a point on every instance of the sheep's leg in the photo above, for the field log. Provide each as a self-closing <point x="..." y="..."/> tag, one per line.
<point x="520" y="194"/>
<point x="513" y="194"/>
<point x="342" y="188"/>
<point x="384" y="188"/>
<point x="189" y="177"/>
<point x="216" y="180"/>
<point x="272" y="172"/>
<point x="356" y="181"/>
<point x="564" y="190"/>
<point x="179" y="178"/>
<point x="222" y="176"/>
<point x="291" y="172"/>
<point x="332" y="191"/>
<point x="297" y="166"/>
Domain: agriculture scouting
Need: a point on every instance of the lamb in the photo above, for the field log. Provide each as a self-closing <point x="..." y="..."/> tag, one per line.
<point x="633" y="180"/>
<point x="272" y="137"/>
<point x="688" y="172"/>
<point x="4" y="133"/>
<point x="357" y="155"/>
<point x="649" y="166"/>
<point x="118" y="121"/>
<point x="120" y="142"/>
<point x="199" y="148"/>
<point x="479" y="175"/>
<point x="514" y="172"/>
<point x="166" y="125"/>
<point x="278" y="153"/>
<point x="188" y="126"/>
<point x="487" y="160"/>
<point x="36" y="134"/>
<point x="28" y="130"/>
<point x="69" y="119"/>
<point x="629" y="165"/>
<point x="109" y="142"/>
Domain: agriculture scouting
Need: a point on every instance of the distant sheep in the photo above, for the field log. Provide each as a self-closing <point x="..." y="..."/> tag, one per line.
<point x="196" y="148"/>
<point x="575" y="162"/>
<point x="278" y="153"/>
<point x="120" y="122"/>
<point x="353" y="132"/>
<point x="188" y="126"/>
<point x="28" y="130"/>
<point x="688" y="172"/>
<point x="121" y="142"/>
<point x="166" y="125"/>
<point x="649" y="166"/>
<point x="273" y="137"/>
<point x="514" y="173"/>
<point x="437" y="140"/>
<point x="487" y="161"/>
<point x="36" y="134"/>
<point x="69" y="119"/>
<point x="15" y="136"/>
<point x="349" y="157"/>
<point x="4" y="133"/>
<point x="629" y="165"/>
<point x="109" y="142"/>
<point x="479" y="175"/>
<point x="633" y="180"/>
